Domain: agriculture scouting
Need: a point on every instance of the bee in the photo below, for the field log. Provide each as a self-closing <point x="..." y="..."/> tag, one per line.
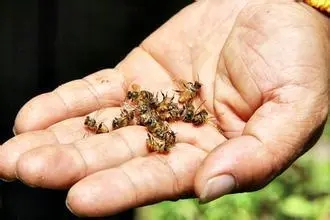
<point x="92" y="125"/>
<point x="196" y="117"/>
<point x="200" y="118"/>
<point x="138" y="96"/>
<point x="156" y="145"/>
<point x="153" y="123"/>
<point x="148" y="118"/>
<point x="165" y="104"/>
<point x="188" y="112"/>
<point x="102" y="128"/>
<point x="147" y="97"/>
<point x="134" y="94"/>
<point x="170" y="138"/>
<point x="173" y="114"/>
<point x="126" y="116"/>
<point x="141" y="109"/>
<point x="188" y="91"/>
<point x="158" y="128"/>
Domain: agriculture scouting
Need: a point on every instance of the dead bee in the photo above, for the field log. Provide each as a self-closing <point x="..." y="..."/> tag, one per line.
<point x="200" y="118"/>
<point x="188" y="91"/>
<point x="102" y="128"/>
<point x="138" y="96"/>
<point x="169" y="138"/>
<point x="173" y="114"/>
<point x="165" y="104"/>
<point x="134" y="94"/>
<point x="126" y="116"/>
<point x="158" y="128"/>
<point x="148" y="98"/>
<point x="156" y="145"/>
<point x="188" y="112"/>
<point x="153" y="123"/>
<point x="196" y="117"/>
<point x="141" y="109"/>
<point x="92" y="125"/>
<point x="147" y="118"/>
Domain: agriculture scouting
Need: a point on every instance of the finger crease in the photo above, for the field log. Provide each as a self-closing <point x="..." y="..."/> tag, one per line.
<point x="134" y="187"/>
<point x="82" y="158"/>
<point x="93" y="91"/>
<point x="63" y="101"/>
<point x="176" y="185"/>
<point x="126" y="143"/>
<point x="54" y="135"/>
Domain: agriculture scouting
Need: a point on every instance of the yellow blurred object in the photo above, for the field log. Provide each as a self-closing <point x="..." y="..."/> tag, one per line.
<point x="322" y="5"/>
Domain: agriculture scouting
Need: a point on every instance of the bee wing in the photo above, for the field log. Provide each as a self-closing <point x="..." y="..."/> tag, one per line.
<point x="102" y="128"/>
<point x="180" y="83"/>
<point x="200" y="105"/>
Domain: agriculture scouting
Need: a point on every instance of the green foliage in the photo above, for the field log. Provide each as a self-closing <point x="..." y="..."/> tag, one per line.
<point x="326" y="132"/>
<point x="301" y="192"/>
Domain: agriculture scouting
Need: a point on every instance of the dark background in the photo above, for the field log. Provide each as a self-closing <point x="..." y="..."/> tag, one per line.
<point x="47" y="43"/>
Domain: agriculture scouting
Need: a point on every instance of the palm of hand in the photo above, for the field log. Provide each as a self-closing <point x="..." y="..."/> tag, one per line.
<point x="246" y="83"/>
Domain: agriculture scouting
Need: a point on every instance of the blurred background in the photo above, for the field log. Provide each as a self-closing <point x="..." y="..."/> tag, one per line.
<point x="46" y="43"/>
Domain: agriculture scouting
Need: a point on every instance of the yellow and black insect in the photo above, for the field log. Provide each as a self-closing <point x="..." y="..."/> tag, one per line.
<point x="126" y="116"/>
<point x="91" y="124"/>
<point x="188" y="91"/>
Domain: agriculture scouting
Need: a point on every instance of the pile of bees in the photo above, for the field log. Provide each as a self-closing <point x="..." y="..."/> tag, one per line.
<point x="143" y="108"/>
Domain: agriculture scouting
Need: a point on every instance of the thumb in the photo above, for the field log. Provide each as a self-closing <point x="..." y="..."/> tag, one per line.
<point x="277" y="134"/>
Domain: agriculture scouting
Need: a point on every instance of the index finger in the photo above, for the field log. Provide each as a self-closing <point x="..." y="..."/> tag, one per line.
<point x="76" y="98"/>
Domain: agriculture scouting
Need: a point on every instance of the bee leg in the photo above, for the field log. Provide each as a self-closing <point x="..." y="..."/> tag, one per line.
<point x="172" y="98"/>
<point x="178" y="91"/>
<point x="163" y="95"/>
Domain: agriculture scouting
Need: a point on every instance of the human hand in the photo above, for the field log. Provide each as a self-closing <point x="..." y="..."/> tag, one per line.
<point x="264" y="70"/>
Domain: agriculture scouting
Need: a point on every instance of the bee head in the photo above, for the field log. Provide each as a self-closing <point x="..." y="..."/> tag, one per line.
<point x="197" y="85"/>
<point x="115" y="123"/>
<point x="188" y="117"/>
<point x="87" y="120"/>
<point x="132" y="95"/>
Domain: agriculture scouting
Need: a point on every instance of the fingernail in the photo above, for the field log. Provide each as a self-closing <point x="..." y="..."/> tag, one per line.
<point x="69" y="208"/>
<point x="217" y="187"/>
<point x="14" y="131"/>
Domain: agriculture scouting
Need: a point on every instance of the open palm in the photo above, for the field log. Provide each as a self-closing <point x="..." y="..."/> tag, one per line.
<point x="263" y="67"/>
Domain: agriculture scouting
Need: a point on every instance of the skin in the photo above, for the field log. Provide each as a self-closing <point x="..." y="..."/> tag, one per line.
<point x="264" y="70"/>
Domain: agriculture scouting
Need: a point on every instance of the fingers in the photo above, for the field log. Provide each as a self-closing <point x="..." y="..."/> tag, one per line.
<point x="60" y="166"/>
<point x="63" y="132"/>
<point x="275" y="136"/>
<point x="13" y="148"/>
<point x="140" y="181"/>
<point x="76" y="98"/>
